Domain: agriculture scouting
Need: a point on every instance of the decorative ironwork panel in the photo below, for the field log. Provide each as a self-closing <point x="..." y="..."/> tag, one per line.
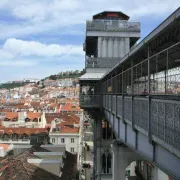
<point x="136" y="105"/>
<point x="177" y="126"/>
<point x="128" y="108"/>
<point x="165" y="118"/>
<point x="90" y="100"/>
<point x="109" y="25"/>
<point x="114" y="104"/>
<point x="140" y="108"/>
<point x="119" y="106"/>
<point x="161" y="120"/>
<point x="101" y="62"/>
<point x="169" y="135"/>
<point x="144" y="114"/>
<point x="154" y="117"/>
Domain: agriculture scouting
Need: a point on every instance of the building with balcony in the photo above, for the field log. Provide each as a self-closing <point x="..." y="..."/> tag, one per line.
<point x="23" y="119"/>
<point x="23" y="136"/>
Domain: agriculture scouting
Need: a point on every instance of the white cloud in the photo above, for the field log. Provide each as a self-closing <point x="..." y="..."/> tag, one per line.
<point x="19" y="48"/>
<point x="17" y="63"/>
<point x="45" y="15"/>
<point x="9" y="72"/>
<point x="5" y="55"/>
<point x="33" y="17"/>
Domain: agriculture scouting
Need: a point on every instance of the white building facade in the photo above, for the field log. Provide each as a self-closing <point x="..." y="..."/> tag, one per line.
<point x="70" y="140"/>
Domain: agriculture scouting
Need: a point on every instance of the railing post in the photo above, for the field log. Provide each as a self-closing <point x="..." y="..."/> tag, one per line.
<point x="123" y="109"/>
<point x="123" y="97"/>
<point x="132" y="111"/>
<point x="132" y="94"/>
<point x="149" y="101"/>
<point x="111" y="103"/>
<point x="100" y="99"/>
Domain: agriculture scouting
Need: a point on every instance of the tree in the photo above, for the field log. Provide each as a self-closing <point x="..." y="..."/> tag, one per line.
<point x="82" y="72"/>
<point x="53" y="77"/>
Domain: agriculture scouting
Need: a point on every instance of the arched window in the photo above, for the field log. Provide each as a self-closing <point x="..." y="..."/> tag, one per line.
<point x="106" y="159"/>
<point x="6" y="136"/>
<point x="103" y="158"/>
<point x="15" y="137"/>
<point x="35" y="120"/>
<point x="27" y="120"/>
<point x="109" y="159"/>
<point x="24" y="137"/>
<point x="6" y="119"/>
<point x="14" y="119"/>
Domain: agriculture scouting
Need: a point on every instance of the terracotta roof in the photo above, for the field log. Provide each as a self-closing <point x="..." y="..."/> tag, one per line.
<point x="35" y="104"/>
<point x="66" y="129"/>
<point x="11" y="115"/>
<point x="21" y="107"/>
<point x="5" y="110"/>
<point x="70" y="107"/>
<point x="69" y="118"/>
<point x="17" y="168"/>
<point x="32" y="115"/>
<point x="28" y="131"/>
<point x="53" y="105"/>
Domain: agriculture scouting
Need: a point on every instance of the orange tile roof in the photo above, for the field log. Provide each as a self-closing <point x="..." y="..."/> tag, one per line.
<point x="67" y="118"/>
<point x="27" y="131"/>
<point x="5" y="110"/>
<point x="53" y="105"/>
<point x="66" y="129"/>
<point x="11" y="115"/>
<point x="32" y="115"/>
<point x="69" y="107"/>
<point x="35" y="104"/>
<point x="21" y="107"/>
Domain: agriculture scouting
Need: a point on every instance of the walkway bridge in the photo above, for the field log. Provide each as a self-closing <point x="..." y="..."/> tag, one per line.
<point x="140" y="97"/>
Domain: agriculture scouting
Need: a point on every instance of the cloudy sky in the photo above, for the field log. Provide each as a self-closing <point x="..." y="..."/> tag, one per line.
<point x="39" y="38"/>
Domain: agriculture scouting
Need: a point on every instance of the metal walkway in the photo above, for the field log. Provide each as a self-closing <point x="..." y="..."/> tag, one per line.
<point x="140" y="97"/>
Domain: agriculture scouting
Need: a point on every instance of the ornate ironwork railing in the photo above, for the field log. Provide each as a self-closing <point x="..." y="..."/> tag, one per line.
<point x="93" y="101"/>
<point x="164" y="116"/>
<point x="101" y="62"/>
<point x="112" y="25"/>
<point x="128" y="108"/>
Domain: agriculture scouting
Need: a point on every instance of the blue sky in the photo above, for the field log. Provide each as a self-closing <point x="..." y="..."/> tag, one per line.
<point x="39" y="38"/>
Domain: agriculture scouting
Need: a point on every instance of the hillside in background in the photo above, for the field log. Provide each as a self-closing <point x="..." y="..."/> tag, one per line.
<point x="11" y="85"/>
<point x="66" y="74"/>
<point x="61" y="75"/>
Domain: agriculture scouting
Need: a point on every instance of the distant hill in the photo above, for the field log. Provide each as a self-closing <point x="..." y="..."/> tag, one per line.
<point x="61" y="75"/>
<point x="66" y="74"/>
<point x="11" y="85"/>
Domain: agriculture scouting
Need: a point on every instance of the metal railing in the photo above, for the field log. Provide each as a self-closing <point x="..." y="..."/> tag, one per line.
<point x="164" y="116"/>
<point x="101" y="62"/>
<point x="93" y="101"/>
<point x="112" y="25"/>
<point x="166" y="121"/>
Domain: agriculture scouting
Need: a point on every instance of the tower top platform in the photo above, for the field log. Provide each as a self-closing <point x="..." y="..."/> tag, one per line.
<point x="113" y="15"/>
